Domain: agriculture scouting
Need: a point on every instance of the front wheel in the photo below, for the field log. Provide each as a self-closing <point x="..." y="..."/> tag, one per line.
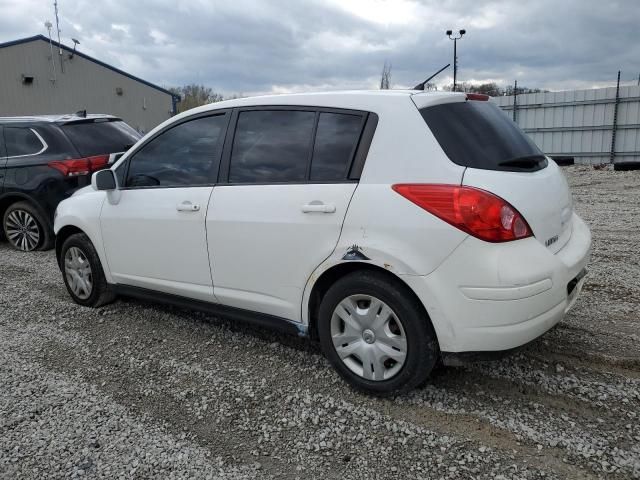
<point x="376" y="334"/>
<point x="82" y="272"/>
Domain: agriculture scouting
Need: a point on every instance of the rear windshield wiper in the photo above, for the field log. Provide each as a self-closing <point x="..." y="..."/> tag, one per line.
<point x="526" y="162"/>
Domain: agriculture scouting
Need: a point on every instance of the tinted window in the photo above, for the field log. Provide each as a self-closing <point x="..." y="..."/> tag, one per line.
<point x="101" y="137"/>
<point x="479" y="135"/>
<point x="336" y="140"/>
<point x="21" y="141"/>
<point x="184" y="155"/>
<point x="271" y="146"/>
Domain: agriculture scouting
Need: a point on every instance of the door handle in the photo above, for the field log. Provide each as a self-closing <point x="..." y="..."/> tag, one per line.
<point x="187" y="206"/>
<point x="317" y="206"/>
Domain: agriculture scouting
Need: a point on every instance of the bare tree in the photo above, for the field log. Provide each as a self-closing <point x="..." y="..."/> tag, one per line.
<point x="385" y="78"/>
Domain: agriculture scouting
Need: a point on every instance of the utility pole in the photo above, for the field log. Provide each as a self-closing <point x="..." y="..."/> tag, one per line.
<point x="515" y="102"/>
<point x="455" y="39"/>
<point x="55" y="8"/>
<point x="612" y="155"/>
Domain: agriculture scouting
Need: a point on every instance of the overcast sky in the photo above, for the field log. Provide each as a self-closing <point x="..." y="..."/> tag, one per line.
<point x="251" y="46"/>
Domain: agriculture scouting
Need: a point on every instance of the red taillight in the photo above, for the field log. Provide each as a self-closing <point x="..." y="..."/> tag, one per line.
<point x="477" y="212"/>
<point x="478" y="97"/>
<point x="80" y="166"/>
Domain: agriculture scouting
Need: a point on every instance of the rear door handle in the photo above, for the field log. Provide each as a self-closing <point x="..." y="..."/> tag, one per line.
<point x="187" y="206"/>
<point x="317" y="206"/>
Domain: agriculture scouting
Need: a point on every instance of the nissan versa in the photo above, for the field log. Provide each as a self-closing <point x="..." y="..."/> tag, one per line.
<point x="399" y="227"/>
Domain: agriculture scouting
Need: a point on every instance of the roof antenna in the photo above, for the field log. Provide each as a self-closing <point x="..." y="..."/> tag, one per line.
<point x="420" y="86"/>
<point x="55" y="8"/>
<point x="48" y="26"/>
<point x="75" y="44"/>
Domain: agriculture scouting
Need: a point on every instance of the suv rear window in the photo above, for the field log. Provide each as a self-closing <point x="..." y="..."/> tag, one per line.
<point x="478" y="134"/>
<point x="101" y="137"/>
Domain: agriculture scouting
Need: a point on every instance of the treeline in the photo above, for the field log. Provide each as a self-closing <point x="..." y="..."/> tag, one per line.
<point x="492" y="89"/>
<point x="194" y="95"/>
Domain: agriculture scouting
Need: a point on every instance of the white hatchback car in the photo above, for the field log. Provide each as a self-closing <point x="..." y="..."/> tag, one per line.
<point x="398" y="227"/>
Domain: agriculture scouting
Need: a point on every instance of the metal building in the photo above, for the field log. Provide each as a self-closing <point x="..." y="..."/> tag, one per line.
<point x="40" y="77"/>
<point x="580" y="124"/>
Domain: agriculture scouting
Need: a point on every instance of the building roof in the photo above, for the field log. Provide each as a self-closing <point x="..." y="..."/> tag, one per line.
<point x="20" y="41"/>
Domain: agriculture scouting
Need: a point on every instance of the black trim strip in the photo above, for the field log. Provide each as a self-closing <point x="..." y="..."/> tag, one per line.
<point x="460" y="359"/>
<point x="363" y="146"/>
<point x="246" y="316"/>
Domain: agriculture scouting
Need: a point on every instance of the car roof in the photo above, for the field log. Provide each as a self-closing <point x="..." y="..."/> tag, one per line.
<point x="59" y="119"/>
<point x="363" y="99"/>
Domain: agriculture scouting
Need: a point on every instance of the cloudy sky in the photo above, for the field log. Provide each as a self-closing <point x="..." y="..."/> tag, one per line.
<point x="252" y="46"/>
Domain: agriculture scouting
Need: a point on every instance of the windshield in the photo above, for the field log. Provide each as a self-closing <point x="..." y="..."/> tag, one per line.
<point x="478" y="134"/>
<point x="101" y="137"/>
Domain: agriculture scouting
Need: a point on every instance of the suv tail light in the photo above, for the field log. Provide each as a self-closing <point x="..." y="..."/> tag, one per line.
<point x="80" y="166"/>
<point x="477" y="212"/>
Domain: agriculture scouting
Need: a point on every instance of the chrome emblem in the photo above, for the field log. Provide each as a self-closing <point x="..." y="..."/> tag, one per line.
<point x="551" y="241"/>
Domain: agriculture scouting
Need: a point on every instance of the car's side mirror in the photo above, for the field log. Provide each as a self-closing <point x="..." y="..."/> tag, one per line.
<point x="104" y="180"/>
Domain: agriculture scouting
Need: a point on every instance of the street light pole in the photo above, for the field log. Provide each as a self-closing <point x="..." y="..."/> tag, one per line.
<point x="455" y="39"/>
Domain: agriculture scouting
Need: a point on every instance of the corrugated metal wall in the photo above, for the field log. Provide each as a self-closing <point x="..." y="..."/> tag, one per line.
<point x="83" y="85"/>
<point x="579" y="123"/>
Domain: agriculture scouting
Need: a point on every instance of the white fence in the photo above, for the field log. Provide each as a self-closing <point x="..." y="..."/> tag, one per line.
<point x="579" y="124"/>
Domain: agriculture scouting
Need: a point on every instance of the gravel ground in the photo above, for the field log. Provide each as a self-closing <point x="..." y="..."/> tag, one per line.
<point x="136" y="390"/>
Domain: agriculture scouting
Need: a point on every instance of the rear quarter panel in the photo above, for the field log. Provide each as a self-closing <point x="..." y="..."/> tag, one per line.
<point x="386" y="229"/>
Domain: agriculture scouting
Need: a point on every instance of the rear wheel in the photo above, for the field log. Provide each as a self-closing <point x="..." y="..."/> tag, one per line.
<point x="376" y="334"/>
<point x="25" y="228"/>
<point x="82" y="272"/>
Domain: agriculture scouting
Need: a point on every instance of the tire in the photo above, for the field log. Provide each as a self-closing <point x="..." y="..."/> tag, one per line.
<point x="399" y="325"/>
<point x="25" y="228"/>
<point x="82" y="272"/>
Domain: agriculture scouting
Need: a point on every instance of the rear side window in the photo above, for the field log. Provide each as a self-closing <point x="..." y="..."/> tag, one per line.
<point x="101" y="137"/>
<point x="22" y="141"/>
<point x="184" y="155"/>
<point x="478" y="134"/>
<point x="335" y="144"/>
<point x="271" y="146"/>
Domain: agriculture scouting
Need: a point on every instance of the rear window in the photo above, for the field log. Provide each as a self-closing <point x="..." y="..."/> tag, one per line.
<point x="336" y="140"/>
<point x="271" y="146"/>
<point x="478" y="134"/>
<point x="101" y="137"/>
<point x="22" y="142"/>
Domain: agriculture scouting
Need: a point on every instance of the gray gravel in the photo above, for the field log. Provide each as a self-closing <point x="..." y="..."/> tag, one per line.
<point x="136" y="390"/>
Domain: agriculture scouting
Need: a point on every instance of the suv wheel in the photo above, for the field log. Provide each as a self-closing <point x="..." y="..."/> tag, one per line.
<point x="82" y="272"/>
<point x="25" y="228"/>
<point x="376" y="334"/>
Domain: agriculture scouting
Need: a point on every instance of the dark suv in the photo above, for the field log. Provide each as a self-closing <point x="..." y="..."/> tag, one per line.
<point x="43" y="160"/>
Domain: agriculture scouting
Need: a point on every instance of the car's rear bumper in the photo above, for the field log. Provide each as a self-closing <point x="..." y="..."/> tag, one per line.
<point x="492" y="297"/>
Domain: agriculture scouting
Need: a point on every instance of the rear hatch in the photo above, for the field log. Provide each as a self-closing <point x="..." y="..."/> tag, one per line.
<point x="101" y="136"/>
<point x="502" y="159"/>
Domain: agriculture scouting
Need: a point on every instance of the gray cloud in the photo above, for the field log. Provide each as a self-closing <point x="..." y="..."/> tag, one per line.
<point x="247" y="46"/>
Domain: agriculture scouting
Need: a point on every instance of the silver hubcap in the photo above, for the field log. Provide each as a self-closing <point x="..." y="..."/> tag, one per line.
<point x="368" y="337"/>
<point x="22" y="230"/>
<point x="78" y="272"/>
